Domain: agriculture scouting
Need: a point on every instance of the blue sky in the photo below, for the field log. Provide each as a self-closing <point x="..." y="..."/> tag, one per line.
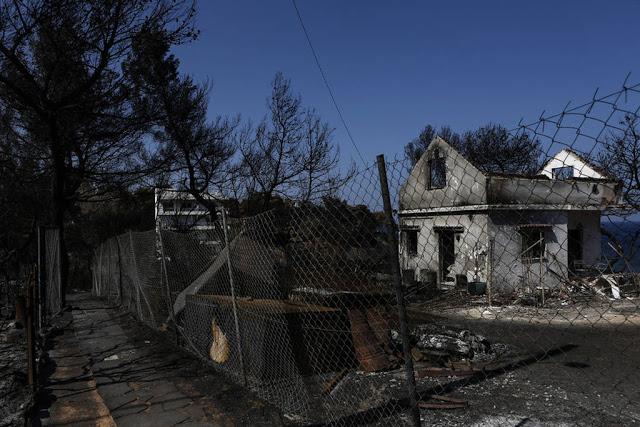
<point x="396" y="66"/>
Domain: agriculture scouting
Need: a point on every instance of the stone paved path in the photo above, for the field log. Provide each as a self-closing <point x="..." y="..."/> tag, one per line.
<point x="109" y="371"/>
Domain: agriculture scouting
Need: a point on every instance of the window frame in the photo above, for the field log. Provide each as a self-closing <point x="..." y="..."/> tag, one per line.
<point x="435" y="168"/>
<point x="556" y="175"/>
<point x="411" y="245"/>
<point x="527" y="246"/>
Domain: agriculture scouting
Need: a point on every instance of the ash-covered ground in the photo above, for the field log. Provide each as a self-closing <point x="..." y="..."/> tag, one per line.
<point x="15" y="397"/>
<point x="570" y="365"/>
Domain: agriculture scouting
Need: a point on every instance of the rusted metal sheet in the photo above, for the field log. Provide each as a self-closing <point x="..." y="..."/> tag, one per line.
<point x="444" y="405"/>
<point x="444" y="402"/>
<point x="370" y="354"/>
<point x="331" y="384"/>
<point x="378" y="320"/>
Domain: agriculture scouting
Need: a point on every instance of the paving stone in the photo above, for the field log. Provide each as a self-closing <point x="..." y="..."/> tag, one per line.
<point x="194" y="411"/>
<point x="137" y="389"/>
<point x="106" y="365"/>
<point x="141" y="395"/>
<point x="115" y="389"/>
<point x="115" y="402"/>
<point x="129" y="409"/>
<point x="176" y="404"/>
<point x="200" y="424"/>
<point x="167" y="397"/>
<point x="155" y="407"/>
<point x="164" y="389"/>
<point x="152" y="419"/>
<point x="103" y="379"/>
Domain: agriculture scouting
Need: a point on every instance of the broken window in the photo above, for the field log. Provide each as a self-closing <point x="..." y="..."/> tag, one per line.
<point x="411" y="239"/>
<point x="437" y="172"/>
<point x="564" y="172"/>
<point x="188" y="206"/>
<point x="532" y="243"/>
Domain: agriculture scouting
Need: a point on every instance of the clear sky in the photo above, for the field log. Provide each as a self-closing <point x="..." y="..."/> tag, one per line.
<point x="396" y="66"/>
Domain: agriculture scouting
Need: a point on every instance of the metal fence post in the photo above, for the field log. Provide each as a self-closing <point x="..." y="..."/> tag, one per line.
<point x="167" y="288"/>
<point x="397" y="281"/>
<point x="119" y="270"/>
<point x="41" y="278"/>
<point x="30" y="326"/>
<point x="108" y="243"/>
<point x="134" y="278"/>
<point x="233" y="294"/>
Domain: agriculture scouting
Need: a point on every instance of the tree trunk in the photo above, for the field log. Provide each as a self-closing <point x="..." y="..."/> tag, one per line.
<point x="59" y="206"/>
<point x="266" y="201"/>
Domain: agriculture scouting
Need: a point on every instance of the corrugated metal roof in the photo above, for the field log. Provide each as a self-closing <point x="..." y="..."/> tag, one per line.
<point x="455" y="228"/>
<point x="535" y="225"/>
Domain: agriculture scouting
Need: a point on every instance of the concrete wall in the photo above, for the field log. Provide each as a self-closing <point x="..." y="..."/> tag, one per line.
<point x="511" y="190"/>
<point x="509" y="271"/>
<point x="465" y="184"/>
<point x="589" y="221"/>
<point x="564" y="158"/>
<point x="471" y="245"/>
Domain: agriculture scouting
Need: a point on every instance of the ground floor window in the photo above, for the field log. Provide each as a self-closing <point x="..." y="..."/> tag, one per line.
<point x="533" y="244"/>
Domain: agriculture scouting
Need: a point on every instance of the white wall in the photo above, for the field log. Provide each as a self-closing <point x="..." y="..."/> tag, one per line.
<point x="509" y="272"/>
<point x="471" y="246"/>
<point x="567" y="158"/>
<point x="591" y="236"/>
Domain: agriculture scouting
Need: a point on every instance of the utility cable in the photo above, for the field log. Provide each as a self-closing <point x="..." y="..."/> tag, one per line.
<point x="326" y="82"/>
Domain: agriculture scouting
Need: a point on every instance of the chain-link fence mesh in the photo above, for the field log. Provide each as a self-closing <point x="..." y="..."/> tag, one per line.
<point x="52" y="292"/>
<point x="517" y="293"/>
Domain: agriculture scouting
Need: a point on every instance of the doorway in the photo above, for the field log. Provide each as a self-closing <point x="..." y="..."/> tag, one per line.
<point x="447" y="255"/>
<point x="574" y="249"/>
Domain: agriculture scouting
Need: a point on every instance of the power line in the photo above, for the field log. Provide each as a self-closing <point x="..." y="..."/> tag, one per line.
<point x="326" y="82"/>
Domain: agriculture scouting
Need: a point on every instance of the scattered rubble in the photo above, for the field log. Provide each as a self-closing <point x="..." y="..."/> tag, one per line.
<point x="449" y="342"/>
<point x="619" y="285"/>
<point x="15" y="396"/>
<point x="443" y="402"/>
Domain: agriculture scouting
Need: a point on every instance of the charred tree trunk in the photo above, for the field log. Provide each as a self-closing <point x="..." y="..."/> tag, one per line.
<point x="59" y="203"/>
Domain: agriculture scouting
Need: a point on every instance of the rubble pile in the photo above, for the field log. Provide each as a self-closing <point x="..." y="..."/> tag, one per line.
<point x="446" y="343"/>
<point x="457" y="343"/>
<point x="619" y="285"/>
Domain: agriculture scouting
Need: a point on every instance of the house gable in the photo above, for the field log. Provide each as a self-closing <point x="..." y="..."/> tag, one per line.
<point x="442" y="177"/>
<point x="567" y="164"/>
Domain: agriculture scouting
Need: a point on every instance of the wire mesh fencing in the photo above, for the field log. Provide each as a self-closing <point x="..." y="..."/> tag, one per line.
<point x="447" y="290"/>
<point x="50" y="291"/>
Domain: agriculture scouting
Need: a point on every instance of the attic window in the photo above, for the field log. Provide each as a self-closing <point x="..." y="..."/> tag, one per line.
<point x="564" y="172"/>
<point x="437" y="171"/>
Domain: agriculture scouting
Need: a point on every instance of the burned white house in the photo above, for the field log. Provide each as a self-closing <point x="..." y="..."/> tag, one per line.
<point x="460" y="225"/>
<point x="179" y="210"/>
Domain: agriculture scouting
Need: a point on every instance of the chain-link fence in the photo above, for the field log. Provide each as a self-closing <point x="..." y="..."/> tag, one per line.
<point x="470" y="295"/>
<point x="50" y="282"/>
